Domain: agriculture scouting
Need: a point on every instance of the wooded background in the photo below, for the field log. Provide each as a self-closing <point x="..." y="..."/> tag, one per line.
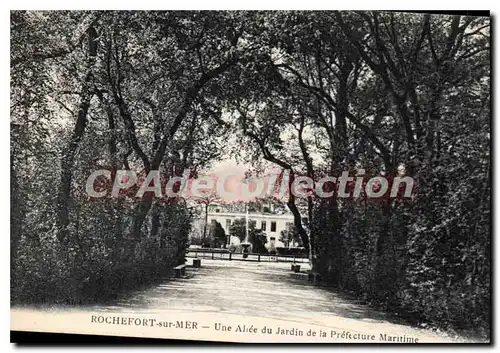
<point x="152" y="90"/>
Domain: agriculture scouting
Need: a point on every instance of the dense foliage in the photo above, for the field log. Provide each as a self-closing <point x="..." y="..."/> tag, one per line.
<point x="256" y="236"/>
<point x="107" y="90"/>
<point x="311" y="92"/>
<point x="390" y="94"/>
<point x="217" y="235"/>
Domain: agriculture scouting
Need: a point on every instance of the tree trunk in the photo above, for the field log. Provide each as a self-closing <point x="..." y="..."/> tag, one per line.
<point x="68" y="158"/>
<point x="384" y="279"/>
<point x="155" y="222"/>
<point x="205" y="224"/>
<point x="141" y="212"/>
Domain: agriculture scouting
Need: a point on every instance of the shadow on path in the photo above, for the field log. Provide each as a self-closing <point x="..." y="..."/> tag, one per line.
<point x="269" y="290"/>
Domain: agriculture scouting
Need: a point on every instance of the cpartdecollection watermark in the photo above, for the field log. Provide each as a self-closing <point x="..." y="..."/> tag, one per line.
<point x="127" y="183"/>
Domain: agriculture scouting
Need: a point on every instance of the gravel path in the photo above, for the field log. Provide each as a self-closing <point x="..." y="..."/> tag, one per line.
<point x="265" y="290"/>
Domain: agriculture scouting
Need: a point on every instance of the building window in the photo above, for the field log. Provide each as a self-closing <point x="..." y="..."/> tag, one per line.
<point x="263" y="226"/>
<point x="217" y="210"/>
<point x="228" y="223"/>
<point x="273" y="226"/>
<point x="273" y="238"/>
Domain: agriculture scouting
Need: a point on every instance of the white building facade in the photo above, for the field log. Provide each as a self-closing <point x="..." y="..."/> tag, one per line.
<point x="271" y="224"/>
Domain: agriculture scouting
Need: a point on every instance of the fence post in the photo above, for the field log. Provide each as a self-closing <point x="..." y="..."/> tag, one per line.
<point x="230" y="253"/>
<point x="258" y="258"/>
<point x="293" y="258"/>
<point x="212" y="255"/>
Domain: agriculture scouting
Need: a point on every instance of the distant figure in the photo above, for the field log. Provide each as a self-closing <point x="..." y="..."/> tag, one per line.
<point x="245" y="252"/>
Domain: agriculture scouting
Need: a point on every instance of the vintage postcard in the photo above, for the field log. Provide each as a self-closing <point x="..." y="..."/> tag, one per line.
<point x="251" y="176"/>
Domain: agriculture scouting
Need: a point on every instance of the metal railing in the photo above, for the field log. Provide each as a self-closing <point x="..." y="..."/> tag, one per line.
<point x="223" y="254"/>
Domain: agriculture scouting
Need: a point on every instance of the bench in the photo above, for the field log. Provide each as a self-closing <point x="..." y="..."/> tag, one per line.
<point x="295" y="268"/>
<point x="197" y="263"/>
<point x="180" y="271"/>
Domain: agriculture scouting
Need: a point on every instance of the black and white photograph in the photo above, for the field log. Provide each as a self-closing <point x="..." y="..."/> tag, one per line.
<point x="284" y="176"/>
